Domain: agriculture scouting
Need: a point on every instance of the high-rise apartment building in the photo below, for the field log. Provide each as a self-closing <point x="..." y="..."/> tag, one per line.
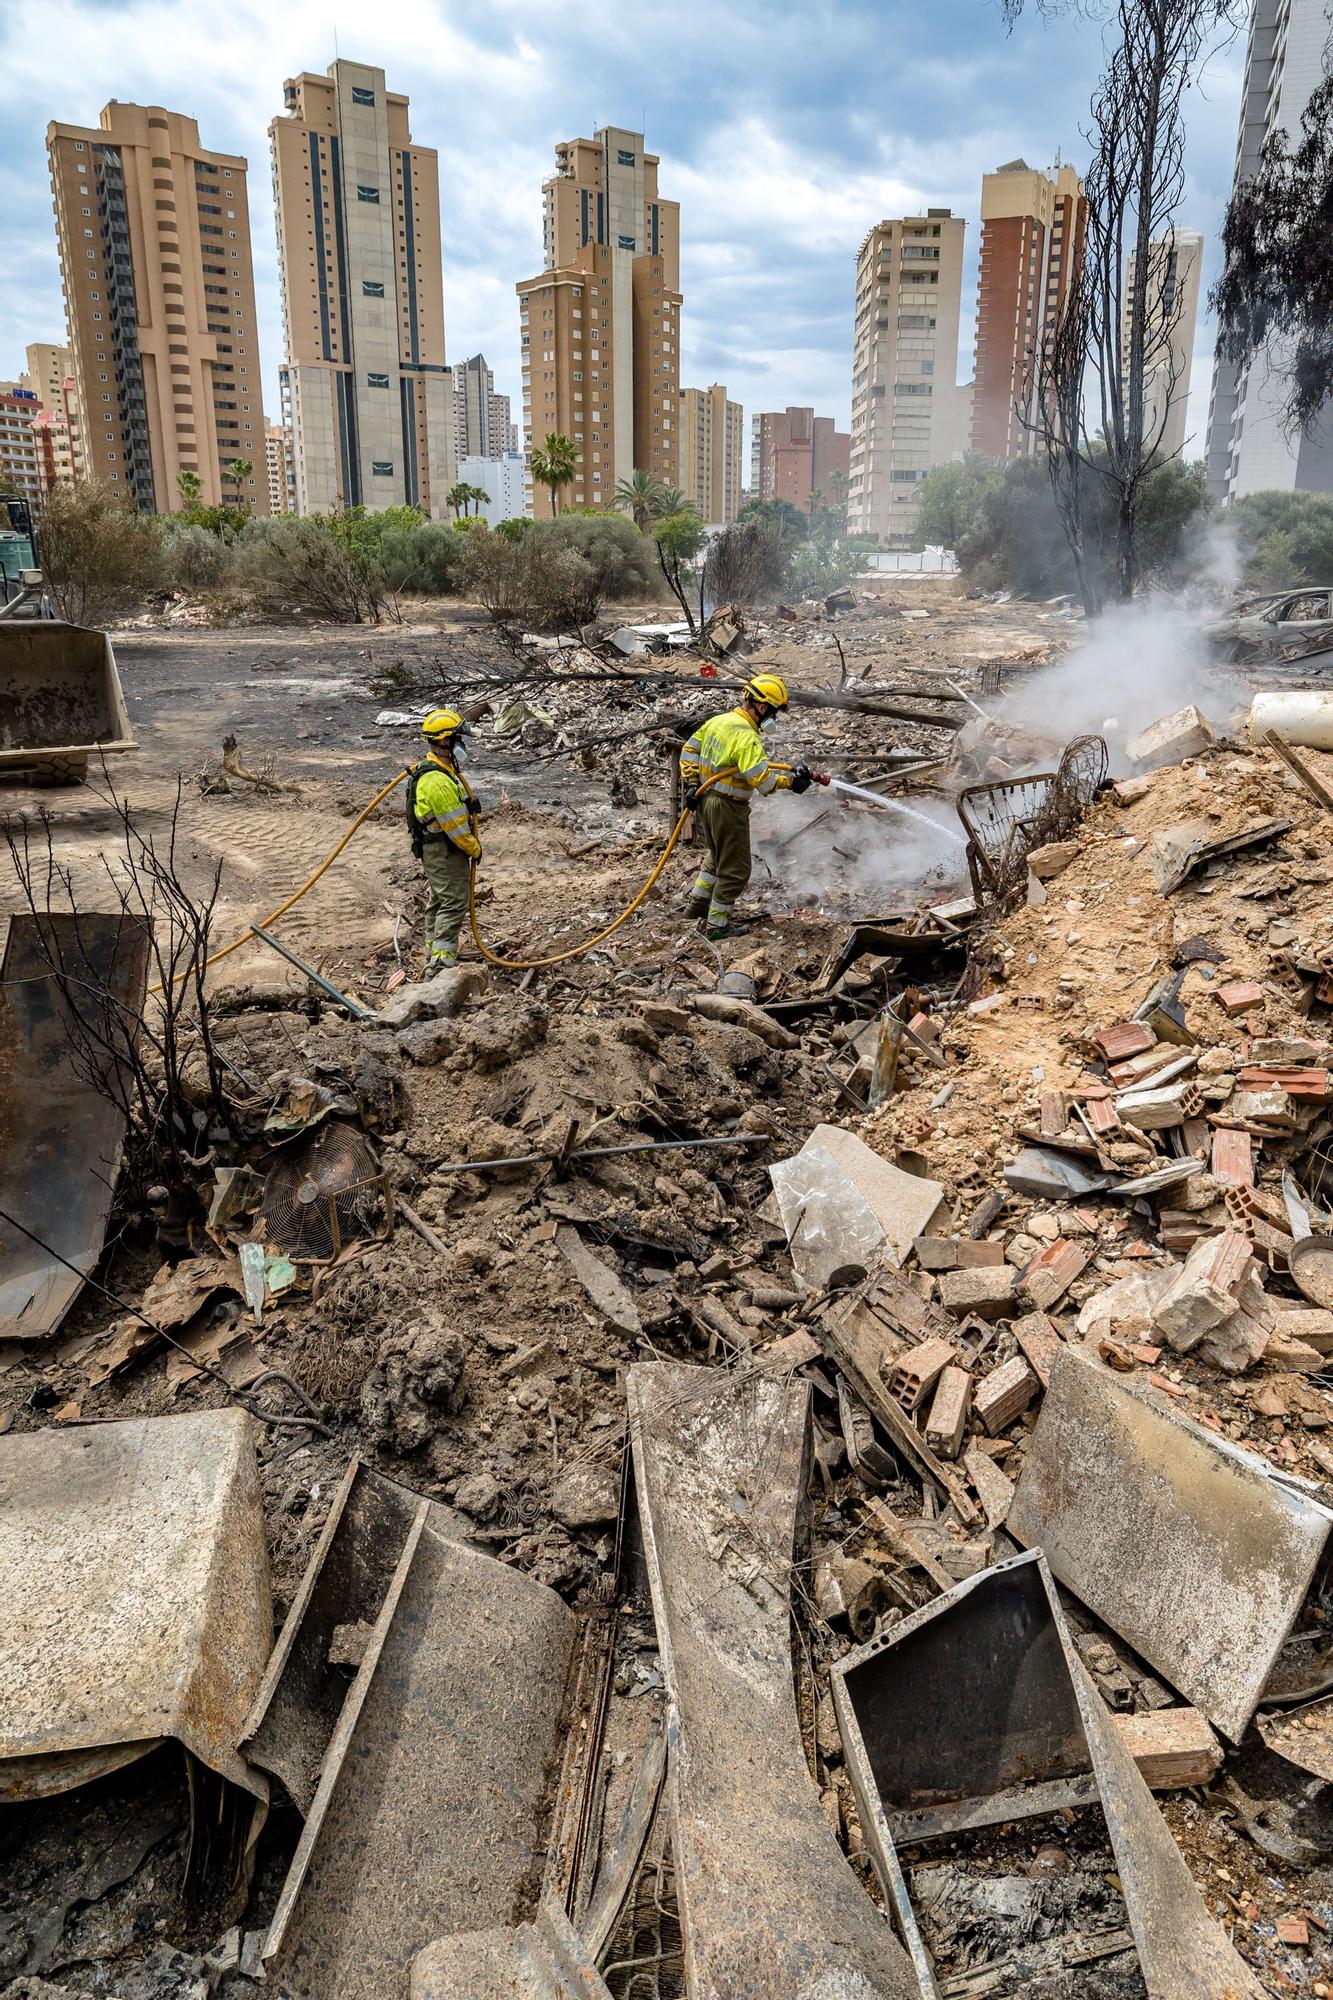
<point x="54" y="449"/>
<point x="49" y="363"/>
<point x="600" y="327"/>
<point x="20" y="459"/>
<point x="1175" y="263"/>
<point x="1032" y="234"/>
<point x="366" y="393"/>
<point x="154" y="237"/>
<point x="796" y="455"/>
<point x="279" y="469"/>
<point x="906" y="404"/>
<point x="485" y="427"/>
<point x="712" y="442"/>
<point x="1249" y="447"/>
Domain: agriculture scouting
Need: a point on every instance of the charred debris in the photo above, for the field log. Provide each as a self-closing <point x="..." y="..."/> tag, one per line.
<point x="798" y="1469"/>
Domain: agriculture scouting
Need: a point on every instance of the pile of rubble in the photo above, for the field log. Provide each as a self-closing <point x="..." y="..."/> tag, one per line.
<point x="790" y="1476"/>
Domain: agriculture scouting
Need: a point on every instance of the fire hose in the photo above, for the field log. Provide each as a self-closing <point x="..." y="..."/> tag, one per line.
<point x="507" y="964"/>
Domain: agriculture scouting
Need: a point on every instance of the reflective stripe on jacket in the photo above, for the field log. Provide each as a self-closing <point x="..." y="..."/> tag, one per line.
<point x="442" y="800"/>
<point x="731" y="743"/>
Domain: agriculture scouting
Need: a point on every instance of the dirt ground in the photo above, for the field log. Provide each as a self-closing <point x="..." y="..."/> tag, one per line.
<point x="484" y="1373"/>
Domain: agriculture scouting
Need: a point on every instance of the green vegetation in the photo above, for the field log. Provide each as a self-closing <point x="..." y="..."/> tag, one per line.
<point x="100" y="558"/>
<point x="1002" y="523"/>
<point x="1284" y="539"/>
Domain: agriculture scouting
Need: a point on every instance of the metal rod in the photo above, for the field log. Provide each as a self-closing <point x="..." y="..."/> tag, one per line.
<point x="352" y="1006"/>
<point x="604" y="1152"/>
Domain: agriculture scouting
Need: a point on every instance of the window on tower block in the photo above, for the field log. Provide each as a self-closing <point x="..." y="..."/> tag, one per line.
<point x="374" y="381"/>
<point x="367" y="193"/>
<point x="360" y="96"/>
<point x="382" y="468"/>
<point x="371" y="288"/>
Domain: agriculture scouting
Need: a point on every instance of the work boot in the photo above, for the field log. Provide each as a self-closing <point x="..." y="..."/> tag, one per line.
<point x="439" y="961"/>
<point x="698" y="906"/>
<point x="716" y="933"/>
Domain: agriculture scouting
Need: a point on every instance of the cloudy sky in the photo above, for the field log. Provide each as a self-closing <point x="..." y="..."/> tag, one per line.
<point x="785" y="130"/>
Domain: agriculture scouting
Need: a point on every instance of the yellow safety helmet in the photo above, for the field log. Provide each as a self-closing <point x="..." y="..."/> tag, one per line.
<point x="441" y="723"/>
<point x="768" y="688"/>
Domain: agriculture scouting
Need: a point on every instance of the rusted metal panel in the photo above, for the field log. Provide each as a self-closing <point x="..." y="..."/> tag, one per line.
<point x="1197" y="1553"/>
<point x="982" y="1693"/>
<point x="768" y="1902"/>
<point x="136" y="1596"/>
<point x="424" y="1773"/>
<point x="60" y="1136"/>
<point x="60" y="694"/>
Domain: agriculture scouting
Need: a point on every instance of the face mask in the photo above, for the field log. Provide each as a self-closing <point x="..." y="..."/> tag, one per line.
<point x="460" y="753"/>
<point x="768" y="723"/>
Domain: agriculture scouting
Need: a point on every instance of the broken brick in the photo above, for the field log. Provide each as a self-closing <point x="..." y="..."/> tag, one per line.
<point x="948" y="1412"/>
<point x="1172" y="1747"/>
<point x="1204" y="1292"/>
<point x="1239" y="996"/>
<point x="1005" y="1394"/>
<point x="1129" y="1038"/>
<point x="936" y="1253"/>
<point x="917" y="1372"/>
<point x="978" y="1256"/>
<point x="989" y="1291"/>
<point x="1292" y="1930"/>
<point x="1153" y="1110"/>
<point x="1233" y="1158"/>
<point x="1040" y="1342"/>
<point x="1053" y="1271"/>
<point x="1054" y="1106"/>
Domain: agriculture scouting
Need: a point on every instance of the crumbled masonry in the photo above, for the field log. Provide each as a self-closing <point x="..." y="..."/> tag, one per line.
<point x="801" y="1463"/>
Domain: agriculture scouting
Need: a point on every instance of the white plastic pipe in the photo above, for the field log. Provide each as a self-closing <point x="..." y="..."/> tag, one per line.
<point x="1303" y="717"/>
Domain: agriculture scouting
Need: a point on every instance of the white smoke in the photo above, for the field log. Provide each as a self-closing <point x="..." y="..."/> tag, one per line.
<point x="1139" y="662"/>
<point x="821" y="852"/>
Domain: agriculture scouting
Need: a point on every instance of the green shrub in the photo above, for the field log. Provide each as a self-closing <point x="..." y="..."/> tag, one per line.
<point x="423" y="560"/>
<point x="98" y="556"/>
<point x="1284" y="539"/>
<point x="194" y="557"/>
<point x="622" y="561"/>
<point x="325" y="563"/>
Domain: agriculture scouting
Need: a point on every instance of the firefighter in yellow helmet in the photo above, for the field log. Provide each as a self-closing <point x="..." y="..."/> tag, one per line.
<point x="442" y="813"/>
<point x="732" y="744"/>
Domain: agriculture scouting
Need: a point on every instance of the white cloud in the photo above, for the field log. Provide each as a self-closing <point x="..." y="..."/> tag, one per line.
<point x="785" y="127"/>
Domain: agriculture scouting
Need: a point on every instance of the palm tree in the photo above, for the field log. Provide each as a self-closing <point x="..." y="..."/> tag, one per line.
<point x="478" y="496"/>
<point x="457" y="497"/>
<point x="838" y="481"/>
<point x="816" y="501"/>
<point x="670" y="500"/>
<point x="189" y="485"/>
<point x="553" y="465"/>
<point x="641" y="496"/>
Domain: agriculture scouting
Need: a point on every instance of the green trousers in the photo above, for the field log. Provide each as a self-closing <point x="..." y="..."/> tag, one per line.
<point x="726" y="868"/>
<point x="447" y="869"/>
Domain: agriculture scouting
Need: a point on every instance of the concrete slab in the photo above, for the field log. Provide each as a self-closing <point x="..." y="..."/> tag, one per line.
<point x="1197" y="1553"/>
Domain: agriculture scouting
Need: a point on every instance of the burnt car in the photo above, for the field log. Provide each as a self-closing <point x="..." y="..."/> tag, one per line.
<point x="1295" y="621"/>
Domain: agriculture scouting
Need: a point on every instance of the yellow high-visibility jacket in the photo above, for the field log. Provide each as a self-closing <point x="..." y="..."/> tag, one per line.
<point x="443" y="796"/>
<point x="731" y="743"/>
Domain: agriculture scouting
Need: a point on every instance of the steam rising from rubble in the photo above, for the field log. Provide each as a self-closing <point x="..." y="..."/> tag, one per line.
<point x="1139" y="662"/>
<point x="855" y="861"/>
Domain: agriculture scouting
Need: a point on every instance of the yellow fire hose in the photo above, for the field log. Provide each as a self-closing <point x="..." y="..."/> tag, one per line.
<point x="309" y="883"/>
<point x="506" y="964"/>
